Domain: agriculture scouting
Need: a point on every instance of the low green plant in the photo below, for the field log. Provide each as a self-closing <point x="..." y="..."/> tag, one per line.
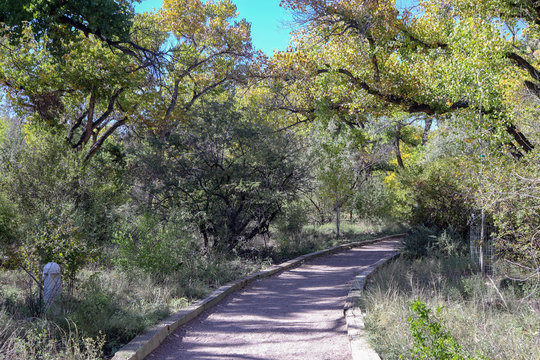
<point x="99" y="310"/>
<point x="451" y="243"/>
<point x="431" y="339"/>
<point x="157" y="248"/>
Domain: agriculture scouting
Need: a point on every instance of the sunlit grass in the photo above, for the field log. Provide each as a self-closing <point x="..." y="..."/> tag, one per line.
<point x="485" y="319"/>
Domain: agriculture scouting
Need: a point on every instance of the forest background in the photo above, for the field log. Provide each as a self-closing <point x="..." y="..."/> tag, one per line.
<point x="158" y="151"/>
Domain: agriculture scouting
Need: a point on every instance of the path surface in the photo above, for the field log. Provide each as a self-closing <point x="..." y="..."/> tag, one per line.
<point x="297" y="314"/>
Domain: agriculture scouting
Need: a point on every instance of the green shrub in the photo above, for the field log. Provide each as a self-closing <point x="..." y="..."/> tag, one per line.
<point x="418" y="242"/>
<point x="8" y="232"/>
<point x="431" y="195"/>
<point x="451" y="243"/>
<point x="64" y="207"/>
<point x="151" y="246"/>
<point x="292" y="218"/>
<point x="422" y="241"/>
<point x="431" y="339"/>
<point x="373" y="200"/>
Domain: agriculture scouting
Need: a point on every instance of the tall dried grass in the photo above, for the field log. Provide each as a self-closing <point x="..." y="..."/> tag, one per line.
<point x="486" y="319"/>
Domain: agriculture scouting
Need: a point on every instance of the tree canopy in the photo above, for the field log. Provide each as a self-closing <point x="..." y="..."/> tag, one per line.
<point x="430" y="110"/>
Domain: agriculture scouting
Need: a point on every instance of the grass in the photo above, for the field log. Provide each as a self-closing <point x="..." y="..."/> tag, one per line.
<point x="108" y="304"/>
<point x="313" y="238"/>
<point x="43" y="339"/>
<point x="488" y="321"/>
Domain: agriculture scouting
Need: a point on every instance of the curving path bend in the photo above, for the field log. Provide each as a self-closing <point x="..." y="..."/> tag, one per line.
<point x="297" y="314"/>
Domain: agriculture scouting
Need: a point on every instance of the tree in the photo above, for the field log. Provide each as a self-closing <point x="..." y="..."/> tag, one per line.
<point x="335" y="168"/>
<point x="94" y="88"/>
<point x="416" y="61"/>
<point x="229" y="173"/>
<point x="509" y="192"/>
<point x="109" y="20"/>
<point x="58" y="209"/>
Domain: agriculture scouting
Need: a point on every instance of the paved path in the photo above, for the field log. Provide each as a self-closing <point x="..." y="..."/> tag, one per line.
<point x="297" y="314"/>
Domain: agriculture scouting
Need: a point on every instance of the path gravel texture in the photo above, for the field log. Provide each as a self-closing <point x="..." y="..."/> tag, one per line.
<point x="297" y="314"/>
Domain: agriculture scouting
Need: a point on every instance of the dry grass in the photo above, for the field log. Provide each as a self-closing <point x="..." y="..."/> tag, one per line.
<point x="485" y="319"/>
<point x="108" y="307"/>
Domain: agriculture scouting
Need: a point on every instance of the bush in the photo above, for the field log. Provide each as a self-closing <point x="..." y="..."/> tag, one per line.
<point x="293" y="217"/>
<point x="422" y="241"/>
<point x="431" y="339"/>
<point x="373" y="200"/>
<point x="509" y="191"/>
<point x="431" y="195"/>
<point x="156" y="248"/>
<point x="63" y="206"/>
<point x="8" y="231"/>
<point x="451" y="243"/>
<point x="418" y="242"/>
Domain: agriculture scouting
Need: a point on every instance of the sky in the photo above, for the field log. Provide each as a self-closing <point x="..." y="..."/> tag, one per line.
<point x="270" y="23"/>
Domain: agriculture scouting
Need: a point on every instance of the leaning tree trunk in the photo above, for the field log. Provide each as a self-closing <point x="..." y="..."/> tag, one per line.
<point x="397" y="150"/>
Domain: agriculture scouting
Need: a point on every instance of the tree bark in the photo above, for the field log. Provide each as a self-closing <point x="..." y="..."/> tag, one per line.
<point x="397" y="150"/>
<point x="338" y="220"/>
<point x="482" y="244"/>
<point x="427" y="128"/>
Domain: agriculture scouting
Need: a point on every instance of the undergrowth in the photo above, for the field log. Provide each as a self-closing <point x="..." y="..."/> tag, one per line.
<point x="312" y="238"/>
<point x="113" y="302"/>
<point x="106" y="309"/>
<point x="481" y="318"/>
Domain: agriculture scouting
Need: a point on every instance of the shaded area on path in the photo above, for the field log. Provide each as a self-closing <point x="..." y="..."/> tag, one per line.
<point x="297" y="314"/>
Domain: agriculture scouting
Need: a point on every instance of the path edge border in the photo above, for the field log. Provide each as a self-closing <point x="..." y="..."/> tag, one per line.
<point x="143" y="344"/>
<point x="356" y="331"/>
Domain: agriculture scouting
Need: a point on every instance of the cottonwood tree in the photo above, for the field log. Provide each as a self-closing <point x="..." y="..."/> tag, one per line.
<point x="109" y="20"/>
<point x="146" y="69"/>
<point x="472" y="60"/>
<point x="437" y="59"/>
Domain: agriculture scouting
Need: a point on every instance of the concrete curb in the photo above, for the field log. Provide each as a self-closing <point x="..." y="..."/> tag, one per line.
<point x="144" y="344"/>
<point x="360" y="348"/>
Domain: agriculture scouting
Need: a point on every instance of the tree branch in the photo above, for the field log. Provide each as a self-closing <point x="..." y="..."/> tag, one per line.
<point x="414" y="107"/>
<point x="95" y="147"/>
<point x="110" y="108"/>
<point x="524" y="64"/>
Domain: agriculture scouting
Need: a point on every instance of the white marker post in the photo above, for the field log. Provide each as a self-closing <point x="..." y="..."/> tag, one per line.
<point x="52" y="286"/>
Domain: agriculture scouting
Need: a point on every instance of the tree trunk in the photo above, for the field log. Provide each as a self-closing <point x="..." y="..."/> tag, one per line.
<point x="396" y="145"/>
<point x="204" y="234"/>
<point x="427" y="128"/>
<point x="398" y="152"/>
<point x="338" y="219"/>
<point x="482" y="236"/>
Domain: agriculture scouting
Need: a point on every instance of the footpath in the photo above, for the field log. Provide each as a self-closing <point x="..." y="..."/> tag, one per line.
<point x="296" y="314"/>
